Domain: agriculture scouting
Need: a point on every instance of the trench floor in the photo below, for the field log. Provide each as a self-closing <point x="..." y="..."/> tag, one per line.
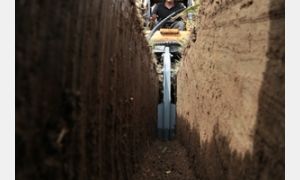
<point x="165" y="160"/>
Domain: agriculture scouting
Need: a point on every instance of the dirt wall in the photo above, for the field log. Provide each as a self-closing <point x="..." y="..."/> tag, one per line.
<point x="231" y="91"/>
<point x="86" y="90"/>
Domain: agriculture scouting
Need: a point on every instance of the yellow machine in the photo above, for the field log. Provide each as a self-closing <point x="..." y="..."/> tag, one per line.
<point x="167" y="45"/>
<point x="159" y="34"/>
<point x="169" y="35"/>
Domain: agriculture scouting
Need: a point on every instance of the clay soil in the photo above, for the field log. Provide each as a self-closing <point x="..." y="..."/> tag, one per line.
<point x="165" y="160"/>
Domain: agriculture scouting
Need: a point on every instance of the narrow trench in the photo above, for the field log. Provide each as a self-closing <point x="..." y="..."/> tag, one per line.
<point x="91" y="92"/>
<point x="166" y="158"/>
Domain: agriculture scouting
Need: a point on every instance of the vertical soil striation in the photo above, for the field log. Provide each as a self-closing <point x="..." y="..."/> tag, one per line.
<point x="86" y="90"/>
<point x="231" y="91"/>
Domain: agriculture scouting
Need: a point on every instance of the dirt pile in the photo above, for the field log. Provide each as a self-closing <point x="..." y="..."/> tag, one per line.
<point x="231" y="91"/>
<point x="86" y="90"/>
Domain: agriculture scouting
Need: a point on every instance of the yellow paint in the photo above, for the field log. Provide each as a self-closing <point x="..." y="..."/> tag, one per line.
<point x="181" y="37"/>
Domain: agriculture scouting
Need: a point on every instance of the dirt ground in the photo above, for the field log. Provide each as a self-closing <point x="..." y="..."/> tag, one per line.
<point x="165" y="160"/>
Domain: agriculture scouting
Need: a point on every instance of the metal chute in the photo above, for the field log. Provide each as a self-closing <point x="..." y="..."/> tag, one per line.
<point x="166" y="110"/>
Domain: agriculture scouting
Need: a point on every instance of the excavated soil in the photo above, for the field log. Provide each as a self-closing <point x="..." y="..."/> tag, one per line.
<point x="230" y="88"/>
<point x="165" y="160"/>
<point x="86" y="90"/>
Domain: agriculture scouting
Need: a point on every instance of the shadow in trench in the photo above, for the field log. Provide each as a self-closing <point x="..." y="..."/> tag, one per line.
<point x="269" y="130"/>
<point x="214" y="159"/>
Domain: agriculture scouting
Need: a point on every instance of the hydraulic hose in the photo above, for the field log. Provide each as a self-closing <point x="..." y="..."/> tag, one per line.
<point x="162" y="22"/>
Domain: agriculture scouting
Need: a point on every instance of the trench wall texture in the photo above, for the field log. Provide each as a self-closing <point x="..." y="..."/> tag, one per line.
<point x="86" y="90"/>
<point x="231" y="91"/>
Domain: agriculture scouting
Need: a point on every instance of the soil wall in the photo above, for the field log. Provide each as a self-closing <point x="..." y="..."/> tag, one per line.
<point x="231" y="91"/>
<point x="86" y="90"/>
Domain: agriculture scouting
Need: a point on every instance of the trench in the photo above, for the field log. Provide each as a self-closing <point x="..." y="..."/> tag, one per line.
<point x="87" y="91"/>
